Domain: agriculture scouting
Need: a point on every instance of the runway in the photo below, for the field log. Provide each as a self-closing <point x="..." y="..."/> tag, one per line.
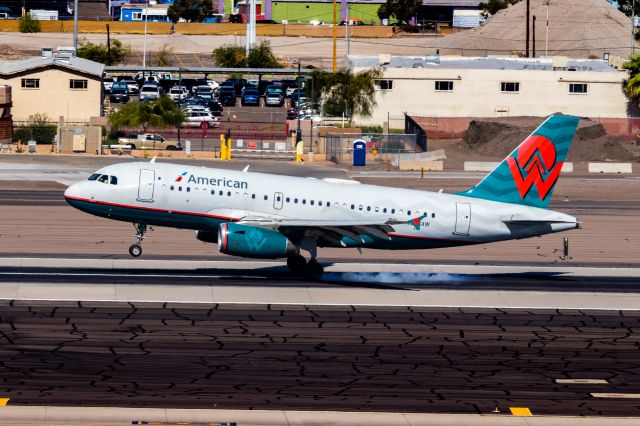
<point x="389" y="359"/>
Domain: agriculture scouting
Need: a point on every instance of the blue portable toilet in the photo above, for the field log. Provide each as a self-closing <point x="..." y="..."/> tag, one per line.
<point x="359" y="152"/>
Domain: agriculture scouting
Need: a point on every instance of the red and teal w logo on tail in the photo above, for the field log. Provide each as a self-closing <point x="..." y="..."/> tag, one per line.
<point x="179" y="179"/>
<point x="529" y="174"/>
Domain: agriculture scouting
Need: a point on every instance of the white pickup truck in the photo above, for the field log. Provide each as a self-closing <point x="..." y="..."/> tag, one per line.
<point x="151" y="141"/>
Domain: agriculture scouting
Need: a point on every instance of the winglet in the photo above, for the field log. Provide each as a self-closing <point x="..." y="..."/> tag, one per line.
<point x="245" y="170"/>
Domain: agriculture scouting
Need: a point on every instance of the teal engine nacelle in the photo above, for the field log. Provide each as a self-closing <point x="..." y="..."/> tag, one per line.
<point x="253" y="241"/>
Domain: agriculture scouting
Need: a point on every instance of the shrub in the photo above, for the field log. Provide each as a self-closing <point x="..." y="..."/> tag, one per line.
<point x="29" y="25"/>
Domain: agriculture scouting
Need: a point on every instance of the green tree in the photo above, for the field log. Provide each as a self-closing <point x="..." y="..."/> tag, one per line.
<point x="231" y="56"/>
<point x="159" y="113"/>
<point x="28" y="24"/>
<point x="632" y="85"/>
<point x="100" y="53"/>
<point x="344" y="92"/>
<point x="190" y="10"/>
<point x="494" y="6"/>
<point x="625" y="6"/>
<point x="402" y="10"/>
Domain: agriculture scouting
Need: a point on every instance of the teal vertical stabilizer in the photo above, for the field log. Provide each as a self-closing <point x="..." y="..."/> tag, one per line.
<point x="529" y="174"/>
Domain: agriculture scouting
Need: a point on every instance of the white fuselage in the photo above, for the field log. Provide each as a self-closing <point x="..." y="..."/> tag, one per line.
<point x="201" y="198"/>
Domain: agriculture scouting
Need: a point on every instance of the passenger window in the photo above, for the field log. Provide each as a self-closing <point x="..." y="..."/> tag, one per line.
<point x="377" y="209"/>
<point x="213" y="192"/>
<point x="384" y="210"/>
<point x="94" y="176"/>
<point x="221" y="193"/>
<point x="360" y="207"/>
<point x="266" y="198"/>
<point x="304" y="201"/>
<point x="368" y="208"/>
<point x="353" y="206"/>
<point x="295" y="200"/>
<point x="188" y="189"/>
<point x="253" y="196"/>
<point x="114" y="180"/>
<point x="179" y="188"/>
<point x="228" y="193"/>
<point x="288" y="199"/>
<point x="408" y="212"/>
<point x="320" y="203"/>
<point x="328" y="204"/>
<point x="311" y="202"/>
<point x="103" y="178"/>
<point x="393" y="211"/>
<point x="433" y="215"/>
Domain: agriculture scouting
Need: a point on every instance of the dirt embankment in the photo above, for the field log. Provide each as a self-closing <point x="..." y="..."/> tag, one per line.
<point x="496" y="138"/>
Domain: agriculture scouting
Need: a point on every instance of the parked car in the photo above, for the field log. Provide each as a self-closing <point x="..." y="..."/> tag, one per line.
<point x="273" y="96"/>
<point x="133" y="88"/>
<point x="238" y="84"/>
<point x="149" y="92"/>
<point x="227" y="96"/>
<point x="178" y="92"/>
<point x="213" y="105"/>
<point x="107" y="82"/>
<point x="250" y="97"/>
<point x="202" y="90"/>
<point x="196" y="117"/>
<point x="151" y="141"/>
<point x="119" y="92"/>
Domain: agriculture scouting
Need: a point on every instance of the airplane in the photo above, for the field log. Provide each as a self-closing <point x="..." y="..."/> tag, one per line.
<point x="258" y="215"/>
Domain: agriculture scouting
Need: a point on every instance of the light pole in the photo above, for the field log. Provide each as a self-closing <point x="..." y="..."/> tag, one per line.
<point x="633" y="27"/>
<point x="144" y="43"/>
<point x="546" y="38"/>
<point x="298" y="134"/>
<point x="75" y="27"/>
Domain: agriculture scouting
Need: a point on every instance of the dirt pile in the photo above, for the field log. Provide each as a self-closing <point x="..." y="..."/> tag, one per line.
<point x="496" y="138"/>
<point x="577" y="28"/>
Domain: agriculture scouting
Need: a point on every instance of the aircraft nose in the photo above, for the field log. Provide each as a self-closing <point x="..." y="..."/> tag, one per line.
<point x="72" y="191"/>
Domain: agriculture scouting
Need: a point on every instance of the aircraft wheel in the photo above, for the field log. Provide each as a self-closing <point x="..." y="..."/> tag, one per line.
<point x="314" y="270"/>
<point x="296" y="263"/>
<point x="135" y="250"/>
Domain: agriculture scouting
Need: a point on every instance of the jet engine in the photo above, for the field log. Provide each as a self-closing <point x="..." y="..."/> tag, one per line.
<point x="253" y="241"/>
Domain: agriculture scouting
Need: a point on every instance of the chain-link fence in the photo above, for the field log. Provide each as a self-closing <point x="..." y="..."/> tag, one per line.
<point x="380" y="146"/>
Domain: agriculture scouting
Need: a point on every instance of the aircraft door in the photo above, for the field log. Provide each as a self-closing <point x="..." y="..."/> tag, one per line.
<point x="463" y="218"/>
<point x="146" y="185"/>
<point x="278" y="199"/>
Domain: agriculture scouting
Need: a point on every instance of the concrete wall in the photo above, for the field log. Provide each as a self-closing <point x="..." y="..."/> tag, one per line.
<point x="477" y="93"/>
<point x="93" y="138"/>
<point x="54" y="97"/>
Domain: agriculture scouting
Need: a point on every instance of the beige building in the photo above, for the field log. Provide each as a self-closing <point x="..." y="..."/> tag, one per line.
<point x="55" y="85"/>
<point x="456" y="89"/>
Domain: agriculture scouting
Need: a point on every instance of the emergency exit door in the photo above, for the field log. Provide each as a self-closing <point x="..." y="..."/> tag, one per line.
<point x="146" y="185"/>
<point x="463" y="218"/>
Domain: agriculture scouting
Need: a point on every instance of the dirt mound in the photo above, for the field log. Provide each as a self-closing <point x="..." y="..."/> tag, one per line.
<point x="497" y="138"/>
<point x="577" y="28"/>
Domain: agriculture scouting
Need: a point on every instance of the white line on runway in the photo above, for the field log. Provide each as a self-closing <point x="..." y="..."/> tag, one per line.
<point x="75" y="274"/>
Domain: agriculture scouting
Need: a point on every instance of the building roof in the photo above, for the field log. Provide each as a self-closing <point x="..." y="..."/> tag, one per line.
<point x="72" y="63"/>
<point x="469" y="62"/>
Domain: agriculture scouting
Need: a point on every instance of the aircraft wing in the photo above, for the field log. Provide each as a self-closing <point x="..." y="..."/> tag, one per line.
<point x="331" y="230"/>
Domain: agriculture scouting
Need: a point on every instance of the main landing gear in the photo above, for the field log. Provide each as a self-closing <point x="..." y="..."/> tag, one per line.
<point x="311" y="270"/>
<point x="135" y="249"/>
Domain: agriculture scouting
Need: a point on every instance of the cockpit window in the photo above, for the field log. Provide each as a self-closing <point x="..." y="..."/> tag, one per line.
<point x="114" y="180"/>
<point x="103" y="178"/>
<point x="94" y="176"/>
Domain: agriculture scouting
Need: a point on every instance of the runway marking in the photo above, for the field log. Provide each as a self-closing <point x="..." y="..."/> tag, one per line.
<point x="616" y="395"/>
<point x="582" y="382"/>
<point x="4" y="402"/>
<point x="49" y="274"/>
<point x="520" y="411"/>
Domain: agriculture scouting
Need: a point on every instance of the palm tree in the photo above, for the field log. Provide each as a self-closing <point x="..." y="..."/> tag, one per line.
<point x="632" y="85"/>
<point x="159" y="113"/>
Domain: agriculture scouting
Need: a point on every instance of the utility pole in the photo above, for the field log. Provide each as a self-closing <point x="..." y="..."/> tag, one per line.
<point x="108" y="46"/>
<point x="251" y="27"/>
<point x="335" y="22"/>
<point x="534" y="37"/>
<point x="144" y="43"/>
<point x="347" y="30"/>
<point x="75" y="27"/>
<point x="633" y="27"/>
<point x="527" y="37"/>
<point x="298" y="131"/>
<point x="546" y="38"/>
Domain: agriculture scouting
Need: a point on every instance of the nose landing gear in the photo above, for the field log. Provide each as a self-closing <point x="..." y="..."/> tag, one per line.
<point x="135" y="249"/>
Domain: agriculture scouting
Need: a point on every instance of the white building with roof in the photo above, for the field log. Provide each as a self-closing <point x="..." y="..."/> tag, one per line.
<point x="456" y="89"/>
<point x="56" y="85"/>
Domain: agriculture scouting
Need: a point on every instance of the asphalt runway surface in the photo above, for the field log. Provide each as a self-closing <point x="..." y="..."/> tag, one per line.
<point x="318" y="358"/>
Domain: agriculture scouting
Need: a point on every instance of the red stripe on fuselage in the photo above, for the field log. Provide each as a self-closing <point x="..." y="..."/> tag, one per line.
<point x="153" y="209"/>
<point x="419" y="237"/>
